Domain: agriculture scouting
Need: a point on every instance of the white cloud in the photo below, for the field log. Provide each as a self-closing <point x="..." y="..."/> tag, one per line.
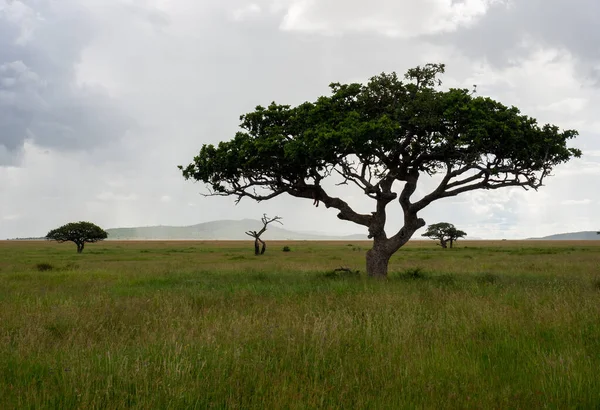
<point x="245" y="12"/>
<point x="592" y="153"/>
<point x="22" y="15"/>
<point x="569" y="106"/>
<point x="576" y="202"/>
<point x="111" y="196"/>
<point x="399" y="18"/>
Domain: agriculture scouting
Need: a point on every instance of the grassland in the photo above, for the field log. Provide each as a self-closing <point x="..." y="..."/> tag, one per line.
<point x="174" y="325"/>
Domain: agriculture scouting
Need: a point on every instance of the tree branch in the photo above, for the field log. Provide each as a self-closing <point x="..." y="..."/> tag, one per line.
<point x="266" y="221"/>
<point x="409" y="188"/>
<point x="485" y="176"/>
<point x="316" y="192"/>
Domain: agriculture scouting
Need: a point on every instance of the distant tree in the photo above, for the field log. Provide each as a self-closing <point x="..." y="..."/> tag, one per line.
<point x="437" y="232"/>
<point x="78" y="232"/>
<point x="454" y="234"/>
<point x="444" y="232"/>
<point x="384" y="137"/>
<point x="256" y="235"/>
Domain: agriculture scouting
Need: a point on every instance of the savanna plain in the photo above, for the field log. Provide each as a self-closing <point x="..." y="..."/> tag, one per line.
<point x="174" y="325"/>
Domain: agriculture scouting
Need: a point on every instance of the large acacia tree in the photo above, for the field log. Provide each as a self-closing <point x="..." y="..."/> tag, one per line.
<point x="78" y="232"/>
<point x="383" y="137"/>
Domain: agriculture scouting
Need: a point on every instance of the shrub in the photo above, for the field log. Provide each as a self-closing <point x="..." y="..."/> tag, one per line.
<point x="286" y="249"/>
<point x="42" y="267"/>
<point x="413" y="273"/>
<point x="342" y="273"/>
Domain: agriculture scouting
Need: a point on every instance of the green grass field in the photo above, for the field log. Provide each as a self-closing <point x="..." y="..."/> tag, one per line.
<point x="171" y="325"/>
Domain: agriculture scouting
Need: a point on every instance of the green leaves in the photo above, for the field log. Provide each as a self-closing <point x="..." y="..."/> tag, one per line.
<point x="77" y="232"/>
<point x="387" y="129"/>
<point x="444" y="232"/>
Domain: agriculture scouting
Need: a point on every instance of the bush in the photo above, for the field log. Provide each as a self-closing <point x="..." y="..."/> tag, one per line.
<point x="42" y="267"/>
<point x="342" y="272"/>
<point x="286" y="249"/>
<point x="413" y="273"/>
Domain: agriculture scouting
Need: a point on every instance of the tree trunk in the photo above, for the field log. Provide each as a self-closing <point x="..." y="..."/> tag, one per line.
<point x="79" y="247"/>
<point x="256" y="247"/>
<point x="378" y="259"/>
<point x="451" y="242"/>
<point x="443" y="243"/>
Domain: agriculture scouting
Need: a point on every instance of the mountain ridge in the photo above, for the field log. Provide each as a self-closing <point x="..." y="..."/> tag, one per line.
<point x="570" y="236"/>
<point x="225" y="229"/>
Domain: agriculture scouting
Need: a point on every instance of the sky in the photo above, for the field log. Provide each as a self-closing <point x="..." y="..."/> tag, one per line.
<point x="100" y="100"/>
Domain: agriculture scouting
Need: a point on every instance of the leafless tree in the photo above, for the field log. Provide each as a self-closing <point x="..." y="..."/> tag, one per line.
<point x="256" y="235"/>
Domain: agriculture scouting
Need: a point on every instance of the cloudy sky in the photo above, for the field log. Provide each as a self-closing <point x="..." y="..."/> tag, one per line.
<point x="100" y="100"/>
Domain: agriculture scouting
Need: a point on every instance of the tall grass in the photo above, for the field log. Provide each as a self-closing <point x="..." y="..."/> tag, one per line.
<point x="210" y="325"/>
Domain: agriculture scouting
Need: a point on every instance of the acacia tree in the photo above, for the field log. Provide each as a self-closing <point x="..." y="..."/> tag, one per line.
<point x="383" y="137"/>
<point x="78" y="232"/>
<point x="454" y="234"/>
<point x="256" y="235"/>
<point x="444" y="232"/>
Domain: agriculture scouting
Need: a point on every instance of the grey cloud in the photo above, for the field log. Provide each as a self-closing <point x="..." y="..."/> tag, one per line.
<point x="8" y="157"/>
<point x="226" y="67"/>
<point x="502" y="33"/>
<point x="186" y="78"/>
<point x="38" y="98"/>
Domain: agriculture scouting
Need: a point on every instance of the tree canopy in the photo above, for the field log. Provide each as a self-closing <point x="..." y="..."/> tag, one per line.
<point x="383" y="137"/>
<point x="78" y="232"/>
<point x="444" y="232"/>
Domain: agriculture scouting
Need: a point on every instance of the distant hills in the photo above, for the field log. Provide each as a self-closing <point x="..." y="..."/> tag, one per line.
<point x="571" y="236"/>
<point x="220" y="230"/>
<point x="235" y="230"/>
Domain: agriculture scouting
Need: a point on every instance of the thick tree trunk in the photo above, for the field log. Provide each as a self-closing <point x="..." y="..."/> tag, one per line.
<point x="256" y="247"/>
<point x="378" y="259"/>
<point x="79" y="247"/>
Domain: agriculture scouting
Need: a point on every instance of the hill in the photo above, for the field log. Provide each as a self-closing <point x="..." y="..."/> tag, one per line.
<point x="223" y="230"/>
<point x="571" y="236"/>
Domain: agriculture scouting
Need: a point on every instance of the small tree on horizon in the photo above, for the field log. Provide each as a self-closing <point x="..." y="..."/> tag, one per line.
<point x="78" y="232"/>
<point x="444" y="232"/>
<point x="256" y="235"/>
<point x="383" y="137"/>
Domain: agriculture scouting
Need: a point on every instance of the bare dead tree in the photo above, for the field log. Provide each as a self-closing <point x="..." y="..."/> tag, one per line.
<point x="256" y="235"/>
